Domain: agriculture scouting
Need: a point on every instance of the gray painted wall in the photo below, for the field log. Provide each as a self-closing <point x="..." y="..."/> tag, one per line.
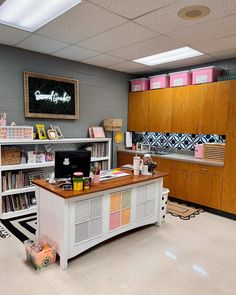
<point x="103" y="92"/>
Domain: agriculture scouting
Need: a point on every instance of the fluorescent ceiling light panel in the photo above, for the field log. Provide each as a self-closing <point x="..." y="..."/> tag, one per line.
<point x="30" y="15"/>
<point x="168" y="56"/>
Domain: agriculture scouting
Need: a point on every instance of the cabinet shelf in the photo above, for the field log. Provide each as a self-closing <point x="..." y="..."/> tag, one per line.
<point x="11" y="214"/>
<point x="26" y="166"/>
<point x="18" y="191"/>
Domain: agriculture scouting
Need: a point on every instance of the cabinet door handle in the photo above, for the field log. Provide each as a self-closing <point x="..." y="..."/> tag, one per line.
<point x="204" y="169"/>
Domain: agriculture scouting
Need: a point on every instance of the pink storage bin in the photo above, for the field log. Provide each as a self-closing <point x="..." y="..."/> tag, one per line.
<point x="140" y="84"/>
<point x="180" y="78"/>
<point x="198" y="153"/>
<point x="159" y="81"/>
<point x="205" y="75"/>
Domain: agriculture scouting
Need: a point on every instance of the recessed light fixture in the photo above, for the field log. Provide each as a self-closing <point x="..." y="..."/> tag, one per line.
<point x="194" y="12"/>
<point x="168" y="56"/>
<point x="30" y="15"/>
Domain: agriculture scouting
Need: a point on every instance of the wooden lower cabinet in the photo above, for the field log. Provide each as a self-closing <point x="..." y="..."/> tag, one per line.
<point x="205" y="185"/>
<point x="196" y="183"/>
<point x="124" y="158"/>
<point x="177" y="180"/>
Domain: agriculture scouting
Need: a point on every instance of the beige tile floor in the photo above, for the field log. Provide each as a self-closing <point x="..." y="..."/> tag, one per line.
<point x="196" y="257"/>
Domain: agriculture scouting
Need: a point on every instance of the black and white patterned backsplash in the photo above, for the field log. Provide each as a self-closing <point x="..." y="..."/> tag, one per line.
<point x="181" y="141"/>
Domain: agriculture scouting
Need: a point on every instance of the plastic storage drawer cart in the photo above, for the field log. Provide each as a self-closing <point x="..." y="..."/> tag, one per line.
<point x="164" y="199"/>
<point x="140" y="84"/>
<point x="180" y="78"/>
<point x="159" y="81"/>
<point x="205" y="75"/>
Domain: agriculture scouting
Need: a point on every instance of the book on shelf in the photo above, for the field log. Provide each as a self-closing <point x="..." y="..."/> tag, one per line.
<point x="14" y="180"/>
<point x="17" y="202"/>
<point x="96" y="132"/>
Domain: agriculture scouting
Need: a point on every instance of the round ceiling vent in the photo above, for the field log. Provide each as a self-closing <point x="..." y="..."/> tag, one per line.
<point x="194" y="12"/>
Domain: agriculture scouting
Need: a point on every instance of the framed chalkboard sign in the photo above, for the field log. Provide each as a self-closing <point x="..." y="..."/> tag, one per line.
<point x="50" y="97"/>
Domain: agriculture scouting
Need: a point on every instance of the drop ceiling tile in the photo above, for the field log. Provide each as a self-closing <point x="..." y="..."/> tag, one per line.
<point x="41" y="44"/>
<point x="103" y="60"/>
<point x="75" y="53"/>
<point x="165" y="20"/>
<point x="127" y="67"/>
<point x="215" y="29"/>
<point x="217" y="45"/>
<point x="148" y="47"/>
<point x="12" y="36"/>
<point x="225" y="54"/>
<point x="81" y="22"/>
<point x="118" y="37"/>
<point x="134" y="8"/>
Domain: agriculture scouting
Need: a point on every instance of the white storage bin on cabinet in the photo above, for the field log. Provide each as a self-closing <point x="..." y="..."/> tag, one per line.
<point x="164" y="199"/>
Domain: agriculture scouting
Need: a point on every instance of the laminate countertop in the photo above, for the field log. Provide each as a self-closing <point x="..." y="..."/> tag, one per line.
<point x="177" y="156"/>
<point x="98" y="187"/>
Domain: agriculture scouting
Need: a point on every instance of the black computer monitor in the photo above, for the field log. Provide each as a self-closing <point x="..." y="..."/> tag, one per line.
<point x="68" y="162"/>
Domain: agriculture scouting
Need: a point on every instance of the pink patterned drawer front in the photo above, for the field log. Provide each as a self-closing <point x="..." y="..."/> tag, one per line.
<point x="114" y="220"/>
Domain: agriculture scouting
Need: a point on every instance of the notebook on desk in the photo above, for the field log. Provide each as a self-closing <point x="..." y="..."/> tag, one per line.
<point x="112" y="174"/>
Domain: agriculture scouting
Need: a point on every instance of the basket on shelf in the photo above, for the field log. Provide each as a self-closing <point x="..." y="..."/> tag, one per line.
<point x="16" y="132"/>
<point x="214" y="151"/>
<point x="10" y="156"/>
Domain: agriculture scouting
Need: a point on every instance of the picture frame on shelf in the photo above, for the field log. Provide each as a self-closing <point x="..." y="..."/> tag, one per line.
<point x="41" y="131"/>
<point x="58" y="131"/>
<point x="138" y="146"/>
<point x="52" y="134"/>
<point x="53" y="97"/>
<point x="145" y="147"/>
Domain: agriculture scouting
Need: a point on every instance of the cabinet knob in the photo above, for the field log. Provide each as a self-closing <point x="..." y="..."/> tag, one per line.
<point x="204" y="169"/>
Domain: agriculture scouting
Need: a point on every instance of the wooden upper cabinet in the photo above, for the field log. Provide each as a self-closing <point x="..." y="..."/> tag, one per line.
<point x="201" y="109"/>
<point x="196" y="109"/>
<point x="186" y="109"/>
<point x="160" y="110"/>
<point x="138" y="111"/>
<point x="229" y="184"/>
<point x="215" y="107"/>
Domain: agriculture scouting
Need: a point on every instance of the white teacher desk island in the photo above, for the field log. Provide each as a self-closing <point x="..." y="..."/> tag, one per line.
<point x="78" y="220"/>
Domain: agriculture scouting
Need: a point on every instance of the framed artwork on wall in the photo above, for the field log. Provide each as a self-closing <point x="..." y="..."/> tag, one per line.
<point x="50" y="97"/>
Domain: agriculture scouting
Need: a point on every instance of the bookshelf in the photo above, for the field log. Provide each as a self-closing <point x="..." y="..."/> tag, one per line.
<point x="16" y="194"/>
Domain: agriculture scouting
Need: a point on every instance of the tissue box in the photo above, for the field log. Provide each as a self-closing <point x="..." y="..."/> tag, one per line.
<point x="205" y="75"/>
<point x="40" y="253"/>
<point x="198" y="151"/>
<point x="180" y="78"/>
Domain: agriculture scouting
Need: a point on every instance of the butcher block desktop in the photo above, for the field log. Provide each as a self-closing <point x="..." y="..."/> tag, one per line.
<point x="79" y="220"/>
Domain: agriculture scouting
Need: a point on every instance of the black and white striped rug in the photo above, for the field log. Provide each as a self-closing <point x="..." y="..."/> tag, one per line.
<point x="4" y="233"/>
<point x="23" y="227"/>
